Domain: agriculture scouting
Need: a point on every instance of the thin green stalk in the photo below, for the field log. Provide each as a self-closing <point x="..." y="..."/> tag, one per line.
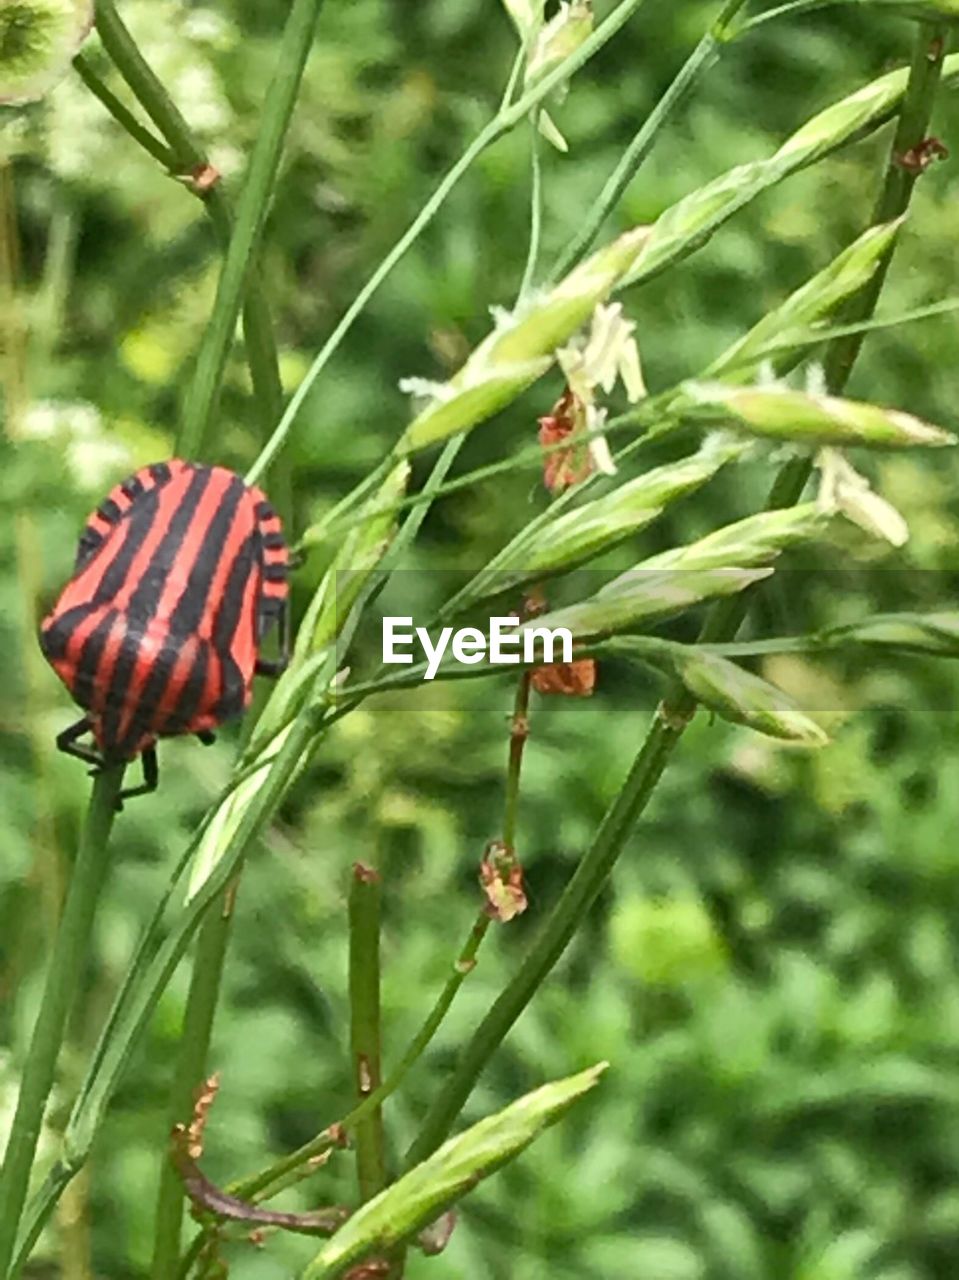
<point x="670" y="722"/>
<point x="519" y="732"/>
<point x="276" y="1177"/>
<point x="70" y="954"/>
<point x="915" y="114"/>
<point x="251" y="212"/>
<point x="185" y="159"/>
<point x="535" y="209"/>
<point x="787" y="11"/>
<point x="505" y="119"/>
<point x="190" y="1069"/>
<point x="83" y="65"/>
<point x="149" y="92"/>
<point x="155" y="961"/>
<point x="365" y="1036"/>
<point x="913" y="125"/>
<point x="298" y="1164"/>
<point x="579" y="895"/>
<point x="699" y="61"/>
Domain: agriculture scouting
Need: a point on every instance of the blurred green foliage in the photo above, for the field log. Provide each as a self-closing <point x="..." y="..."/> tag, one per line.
<point x="773" y="974"/>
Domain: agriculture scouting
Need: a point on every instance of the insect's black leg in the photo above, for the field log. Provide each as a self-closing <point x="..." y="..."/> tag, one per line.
<point x="276" y="666"/>
<point x="151" y="777"/>
<point x="207" y="737"/>
<point x="67" y="743"/>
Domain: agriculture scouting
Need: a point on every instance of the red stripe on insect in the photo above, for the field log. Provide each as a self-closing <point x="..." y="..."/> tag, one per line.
<point x="108" y="661"/>
<point x="174" y="586"/>
<point x="243" y="646"/>
<point x="186" y="656"/>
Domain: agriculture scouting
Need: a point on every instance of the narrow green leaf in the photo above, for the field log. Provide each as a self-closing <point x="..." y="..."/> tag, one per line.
<point x="582" y="533"/>
<point x="686" y="226"/>
<point x="730" y="691"/>
<point x="932" y="633"/>
<point x="780" y="413"/>
<point x="474" y="395"/>
<point x="754" y="541"/>
<point x="520" y="349"/>
<point x="362" y="550"/>
<point x="817" y="298"/>
<point x="643" y="595"/>
<point x="447" y="1175"/>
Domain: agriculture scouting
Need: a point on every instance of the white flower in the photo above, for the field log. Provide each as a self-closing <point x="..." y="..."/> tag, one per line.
<point x="427" y="391"/>
<point x="842" y="488"/>
<point x="597" y="443"/>
<point x="608" y="353"/>
<point x="611" y="352"/>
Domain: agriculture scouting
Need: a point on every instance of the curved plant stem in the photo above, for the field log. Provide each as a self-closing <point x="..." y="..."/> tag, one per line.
<point x="251" y="212"/>
<point x="508" y="116"/>
<point x="191" y="1065"/>
<point x="535" y="208"/>
<point x="699" y="61"/>
<point x="893" y="200"/>
<point x="184" y="159"/>
<point x="70" y="954"/>
<point x="276" y="1177"/>
<point x="125" y="118"/>
<point x="671" y="719"/>
<point x="915" y="114"/>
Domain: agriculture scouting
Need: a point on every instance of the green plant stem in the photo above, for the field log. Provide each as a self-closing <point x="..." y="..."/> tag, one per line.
<point x="915" y="114"/>
<point x="788" y="11"/>
<point x="508" y="116"/>
<point x="70" y="954"/>
<point x="519" y="732"/>
<point x="535" y="209"/>
<point x="190" y="1069"/>
<point x="251" y="212"/>
<point x="185" y="158"/>
<point x="670" y="722"/>
<point x="893" y="201"/>
<point x="577" y="898"/>
<point x="698" y="62"/>
<point x="276" y="1177"/>
<point x="84" y="68"/>
<point x="365" y="1035"/>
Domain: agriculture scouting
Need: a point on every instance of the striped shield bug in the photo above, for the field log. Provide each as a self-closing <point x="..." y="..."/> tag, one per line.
<point x="180" y="573"/>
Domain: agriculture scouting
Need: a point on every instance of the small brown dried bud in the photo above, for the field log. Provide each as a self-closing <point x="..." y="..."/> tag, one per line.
<point x="369" y="1270"/>
<point x="205" y="1098"/>
<point x="338" y="1135"/>
<point x="204" y="178"/>
<point x="567" y="679"/>
<point x="564" y="467"/>
<point x="918" y="158"/>
<point x="502" y="879"/>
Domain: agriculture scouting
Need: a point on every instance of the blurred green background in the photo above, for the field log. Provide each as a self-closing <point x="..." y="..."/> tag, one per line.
<point x="773" y="973"/>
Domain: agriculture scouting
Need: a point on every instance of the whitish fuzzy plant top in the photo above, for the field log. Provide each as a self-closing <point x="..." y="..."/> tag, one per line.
<point x="38" y="41"/>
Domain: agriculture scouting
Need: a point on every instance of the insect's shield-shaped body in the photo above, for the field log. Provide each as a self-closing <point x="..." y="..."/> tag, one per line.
<point x="180" y="572"/>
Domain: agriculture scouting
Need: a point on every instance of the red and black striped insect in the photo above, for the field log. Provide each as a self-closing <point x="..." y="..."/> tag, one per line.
<point x="180" y="573"/>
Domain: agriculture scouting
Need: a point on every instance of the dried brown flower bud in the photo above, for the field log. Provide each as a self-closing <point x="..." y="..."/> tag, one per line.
<point x="502" y="879"/>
